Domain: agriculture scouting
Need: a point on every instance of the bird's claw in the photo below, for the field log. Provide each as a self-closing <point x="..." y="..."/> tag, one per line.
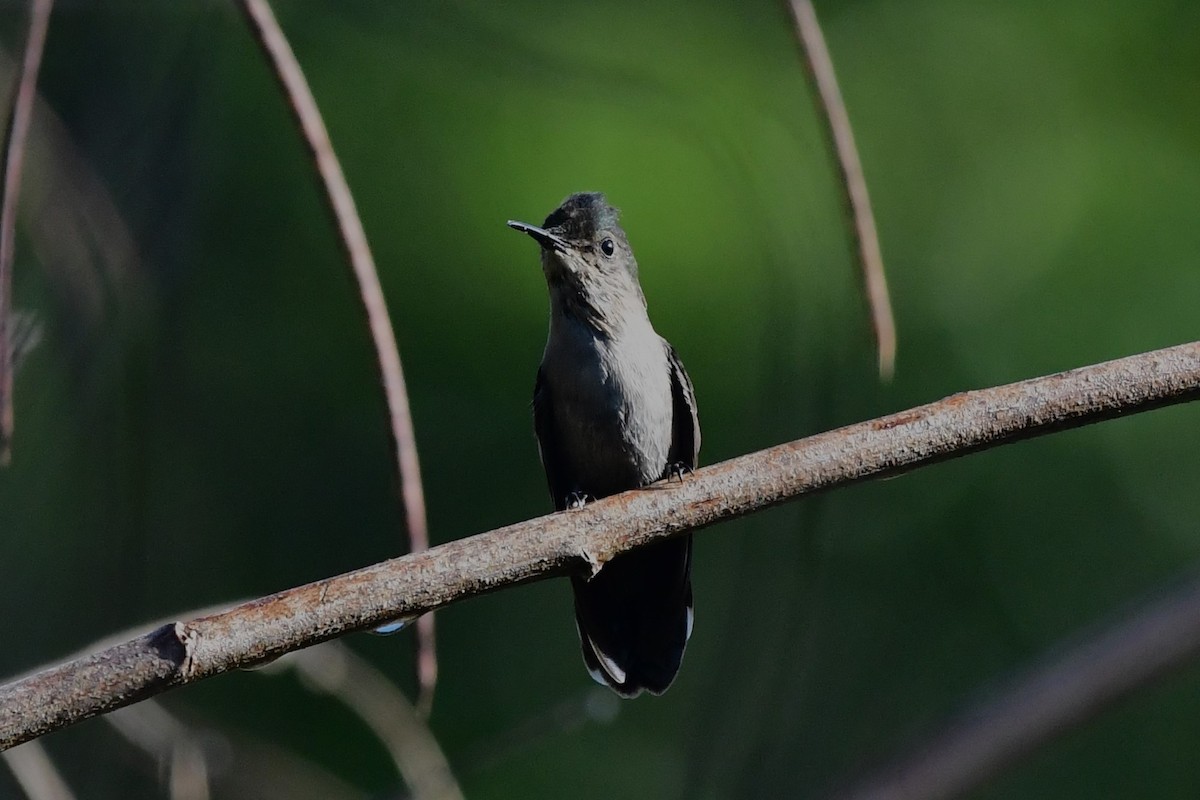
<point x="576" y="500"/>
<point x="677" y="470"/>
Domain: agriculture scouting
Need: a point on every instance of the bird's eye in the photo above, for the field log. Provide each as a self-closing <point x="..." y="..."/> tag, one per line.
<point x="607" y="247"/>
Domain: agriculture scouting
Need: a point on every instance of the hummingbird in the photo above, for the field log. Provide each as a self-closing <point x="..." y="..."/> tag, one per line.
<point x="613" y="410"/>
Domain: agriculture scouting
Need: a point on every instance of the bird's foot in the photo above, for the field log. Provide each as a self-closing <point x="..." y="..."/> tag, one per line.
<point x="576" y="500"/>
<point x="677" y="469"/>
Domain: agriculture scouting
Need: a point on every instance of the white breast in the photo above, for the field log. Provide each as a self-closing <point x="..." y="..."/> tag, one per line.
<point x="612" y="403"/>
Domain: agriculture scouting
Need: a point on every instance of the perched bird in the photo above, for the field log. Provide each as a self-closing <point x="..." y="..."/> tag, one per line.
<point x="613" y="409"/>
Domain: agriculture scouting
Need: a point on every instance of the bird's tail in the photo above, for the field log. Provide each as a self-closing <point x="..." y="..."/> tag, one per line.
<point x="635" y="617"/>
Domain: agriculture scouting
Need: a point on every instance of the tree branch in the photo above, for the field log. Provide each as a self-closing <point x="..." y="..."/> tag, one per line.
<point x="863" y="234"/>
<point x="10" y="181"/>
<point x="354" y="241"/>
<point x="585" y="539"/>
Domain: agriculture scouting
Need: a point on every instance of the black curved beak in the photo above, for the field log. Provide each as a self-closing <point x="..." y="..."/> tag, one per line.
<point x="542" y="236"/>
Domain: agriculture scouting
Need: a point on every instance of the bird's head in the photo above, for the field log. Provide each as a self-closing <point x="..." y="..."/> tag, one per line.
<point x="589" y="266"/>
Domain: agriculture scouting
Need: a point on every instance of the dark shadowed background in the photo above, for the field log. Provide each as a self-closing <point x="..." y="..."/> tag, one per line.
<point x="202" y="421"/>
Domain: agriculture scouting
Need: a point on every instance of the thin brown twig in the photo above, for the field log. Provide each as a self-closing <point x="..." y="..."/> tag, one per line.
<point x="585" y="539"/>
<point x="864" y="235"/>
<point x="354" y="240"/>
<point x="1049" y="699"/>
<point x="15" y="135"/>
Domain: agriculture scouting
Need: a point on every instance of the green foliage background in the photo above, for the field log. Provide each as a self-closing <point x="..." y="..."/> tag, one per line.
<point x="203" y="423"/>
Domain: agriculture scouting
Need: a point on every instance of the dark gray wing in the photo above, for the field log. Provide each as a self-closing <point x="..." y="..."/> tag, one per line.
<point x="557" y="479"/>
<point x="685" y="420"/>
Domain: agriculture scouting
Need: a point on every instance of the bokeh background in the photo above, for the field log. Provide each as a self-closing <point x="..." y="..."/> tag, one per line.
<point x="202" y="420"/>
